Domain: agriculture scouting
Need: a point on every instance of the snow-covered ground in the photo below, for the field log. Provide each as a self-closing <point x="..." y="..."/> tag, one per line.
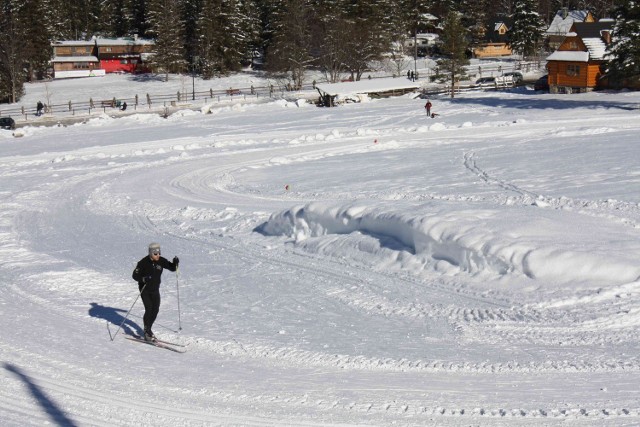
<point x="359" y="265"/>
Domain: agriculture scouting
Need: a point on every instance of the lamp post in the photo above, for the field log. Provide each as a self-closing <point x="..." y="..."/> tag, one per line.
<point x="196" y="59"/>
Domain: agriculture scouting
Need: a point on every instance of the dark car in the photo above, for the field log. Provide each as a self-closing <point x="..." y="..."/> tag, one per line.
<point x="7" y="123"/>
<point x="486" y="82"/>
<point x="542" y="83"/>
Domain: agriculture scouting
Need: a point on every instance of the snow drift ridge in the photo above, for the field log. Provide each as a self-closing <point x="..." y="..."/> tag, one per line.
<point x="478" y="241"/>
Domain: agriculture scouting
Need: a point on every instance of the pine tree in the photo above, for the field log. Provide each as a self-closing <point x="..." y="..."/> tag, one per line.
<point x="370" y="37"/>
<point x="624" y="52"/>
<point x="454" y="49"/>
<point x="475" y="20"/>
<point x="289" y="47"/>
<point x="25" y="49"/>
<point x="166" y="26"/>
<point x="527" y="29"/>
<point x="12" y="53"/>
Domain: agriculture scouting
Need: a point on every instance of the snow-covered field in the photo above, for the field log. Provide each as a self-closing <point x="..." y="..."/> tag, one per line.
<point x="359" y="265"/>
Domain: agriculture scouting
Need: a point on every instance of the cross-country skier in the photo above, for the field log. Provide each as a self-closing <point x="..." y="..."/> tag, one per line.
<point x="147" y="274"/>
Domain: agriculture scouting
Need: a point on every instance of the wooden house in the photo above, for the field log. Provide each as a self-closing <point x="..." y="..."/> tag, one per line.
<point x="95" y="57"/>
<point x="496" y="43"/>
<point x="575" y="66"/>
<point x="562" y="23"/>
<point x="124" y="55"/>
<point x="74" y="58"/>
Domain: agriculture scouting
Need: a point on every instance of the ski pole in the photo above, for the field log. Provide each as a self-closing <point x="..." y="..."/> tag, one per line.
<point x="178" y="291"/>
<point x="125" y="317"/>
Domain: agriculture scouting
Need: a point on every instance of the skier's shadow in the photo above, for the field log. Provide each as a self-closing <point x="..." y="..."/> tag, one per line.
<point x="114" y="316"/>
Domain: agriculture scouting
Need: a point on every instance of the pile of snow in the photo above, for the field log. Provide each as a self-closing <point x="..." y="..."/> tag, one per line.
<point x="485" y="241"/>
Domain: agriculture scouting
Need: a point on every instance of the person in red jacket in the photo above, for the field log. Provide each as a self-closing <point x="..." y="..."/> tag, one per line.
<point x="147" y="273"/>
<point x="427" y="107"/>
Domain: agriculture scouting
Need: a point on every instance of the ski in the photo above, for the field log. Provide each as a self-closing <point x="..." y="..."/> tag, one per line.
<point x="175" y="344"/>
<point x="156" y="343"/>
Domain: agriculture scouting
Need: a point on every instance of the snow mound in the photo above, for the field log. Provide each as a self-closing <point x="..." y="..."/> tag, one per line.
<point x="514" y="241"/>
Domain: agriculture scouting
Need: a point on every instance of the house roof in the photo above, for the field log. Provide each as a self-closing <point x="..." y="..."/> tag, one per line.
<point x="569" y="56"/>
<point x="72" y="43"/>
<point x="592" y="35"/>
<point x="561" y="24"/>
<point x="121" y="41"/>
<point x="75" y="59"/>
<point x="367" y="86"/>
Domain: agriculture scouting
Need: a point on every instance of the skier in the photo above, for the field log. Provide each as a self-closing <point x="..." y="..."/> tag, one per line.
<point x="39" y="108"/>
<point x="427" y="107"/>
<point x="147" y="274"/>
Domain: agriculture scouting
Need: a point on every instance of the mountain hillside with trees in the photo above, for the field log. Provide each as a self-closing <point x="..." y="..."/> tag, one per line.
<point x="217" y="37"/>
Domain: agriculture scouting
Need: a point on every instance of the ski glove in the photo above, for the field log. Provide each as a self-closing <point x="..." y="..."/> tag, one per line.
<point x="146" y="279"/>
<point x="176" y="261"/>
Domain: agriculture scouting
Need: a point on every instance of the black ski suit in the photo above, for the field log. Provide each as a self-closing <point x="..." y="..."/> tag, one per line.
<point x="147" y="274"/>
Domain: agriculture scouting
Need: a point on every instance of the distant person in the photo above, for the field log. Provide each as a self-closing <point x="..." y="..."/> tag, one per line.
<point x="147" y="274"/>
<point x="39" y="108"/>
<point x="124" y="106"/>
<point x="427" y="107"/>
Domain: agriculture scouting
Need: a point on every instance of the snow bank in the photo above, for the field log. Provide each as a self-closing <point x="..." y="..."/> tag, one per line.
<point x="541" y="244"/>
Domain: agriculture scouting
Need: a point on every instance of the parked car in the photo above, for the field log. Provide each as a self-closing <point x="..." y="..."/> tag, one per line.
<point x="486" y="82"/>
<point x="516" y="76"/>
<point x="542" y="83"/>
<point x="7" y="123"/>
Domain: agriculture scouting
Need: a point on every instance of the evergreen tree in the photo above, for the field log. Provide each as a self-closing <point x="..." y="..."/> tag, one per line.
<point x="454" y="49"/>
<point x="251" y="28"/>
<point x="330" y="34"/>
<point x="36" y="44"/>
<point x="166" y="26"/>
<point x="192" y="11"/>
<point x="289" y="47"/>
<point x="370" y="39"/>
<point x="12" y="53"/>
<point x="527" y="29"/>
<point x="475" y="20"/>
<point x="624" y="52"/>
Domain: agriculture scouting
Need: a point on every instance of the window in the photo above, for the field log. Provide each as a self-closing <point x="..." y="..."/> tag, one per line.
<point x="573" y="70"/>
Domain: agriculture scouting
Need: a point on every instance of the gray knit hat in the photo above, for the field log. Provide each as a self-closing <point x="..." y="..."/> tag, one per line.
<point x="154" y="247"/>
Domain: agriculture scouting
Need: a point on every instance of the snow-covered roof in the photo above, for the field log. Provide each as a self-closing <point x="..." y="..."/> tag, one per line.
<point x="561" y="24"/>
<point x="367" y="86"/>
<point x="75" y="59"/>
<point x="73" y="43"/>
<point x="100" y="41"/>
<point x="569" y="55"/>
<point x="596" y="47"/>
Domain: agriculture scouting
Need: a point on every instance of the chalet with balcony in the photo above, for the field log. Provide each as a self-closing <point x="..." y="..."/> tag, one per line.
<point x="95" y="57"/>
<point x="75" y="58"/>
<point x="496" y="42"/>
<point x="576" y="65"/>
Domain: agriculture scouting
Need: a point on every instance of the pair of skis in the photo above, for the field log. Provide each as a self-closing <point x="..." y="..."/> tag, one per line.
<point x="167" y="345"/>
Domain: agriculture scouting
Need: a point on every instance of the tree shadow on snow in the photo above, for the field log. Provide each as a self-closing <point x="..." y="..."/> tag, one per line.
<point x="55" y="412"/>
<point x="116" y="317"/>
<point x="536" y="102"/>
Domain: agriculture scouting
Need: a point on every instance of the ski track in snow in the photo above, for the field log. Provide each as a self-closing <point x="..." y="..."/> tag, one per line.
<point x="297" y="332"/>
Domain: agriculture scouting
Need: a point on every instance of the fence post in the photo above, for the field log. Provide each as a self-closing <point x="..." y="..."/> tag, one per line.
<point x="136" y="104"/>
<point x="149" y="100"/>
<point x="69" y="105"/>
